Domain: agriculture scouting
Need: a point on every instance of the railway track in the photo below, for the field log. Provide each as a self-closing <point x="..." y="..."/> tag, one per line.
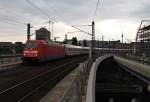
<point x="26" y="90"/>
<point x="116" y="83"/>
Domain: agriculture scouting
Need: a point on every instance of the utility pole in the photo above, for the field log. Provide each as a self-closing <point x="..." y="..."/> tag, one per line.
<point x="52" y="30"/>
<point x="55" y="38"/>
<point x="92" y="54"/>
<point x="92" y="47"/>
<point x="122" y="38"/>
<point x="66" y="38"/>
<point x="28" y="31"/>
<point x="49" y="30"/>
<point x="102" y="43"/>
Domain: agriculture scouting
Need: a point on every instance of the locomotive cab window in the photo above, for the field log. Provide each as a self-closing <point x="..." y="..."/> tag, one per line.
<point x="31" y="45"/>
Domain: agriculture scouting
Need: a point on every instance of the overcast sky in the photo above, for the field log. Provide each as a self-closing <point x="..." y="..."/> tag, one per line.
<point x="113" y="17"/>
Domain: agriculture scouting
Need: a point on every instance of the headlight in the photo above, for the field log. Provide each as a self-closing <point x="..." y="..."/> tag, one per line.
<point x="24" y="54"/>
<point x="36" y="54"/>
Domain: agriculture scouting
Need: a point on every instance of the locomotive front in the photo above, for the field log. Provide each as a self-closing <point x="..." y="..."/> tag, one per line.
<point x="32" y="51"/>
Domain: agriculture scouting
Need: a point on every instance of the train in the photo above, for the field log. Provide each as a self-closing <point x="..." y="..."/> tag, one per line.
<point x="41" y="50"/>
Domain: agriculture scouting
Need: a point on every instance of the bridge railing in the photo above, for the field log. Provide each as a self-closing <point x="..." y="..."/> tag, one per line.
<point x="77" y="90"/>
<point x="139" y="59"/>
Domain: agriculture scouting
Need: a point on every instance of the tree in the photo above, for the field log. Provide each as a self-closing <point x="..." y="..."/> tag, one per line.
<point x="79" y="44"/>
<point x="74" y="41"/>
<point x="19" y="46"/>
<point x="85" y="43"/>
<point x="65" y="41"/>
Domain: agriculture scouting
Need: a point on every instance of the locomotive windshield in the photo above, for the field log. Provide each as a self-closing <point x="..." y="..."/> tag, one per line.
<point x="31" y="45"/>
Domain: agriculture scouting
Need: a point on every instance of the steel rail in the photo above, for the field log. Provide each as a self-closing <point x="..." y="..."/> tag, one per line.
<point x="36" y="78"/>
<point x="46" y="82"/>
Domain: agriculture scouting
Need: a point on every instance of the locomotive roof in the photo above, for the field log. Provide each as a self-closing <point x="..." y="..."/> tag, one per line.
<point x="37" y="41"/>
<point x="54" y="43"/>
<point x="44" y="42"/>
<point x="74" y="46"/>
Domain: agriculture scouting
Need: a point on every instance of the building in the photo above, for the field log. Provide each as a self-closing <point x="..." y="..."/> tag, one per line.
<point x="42" y="34"/>
<point x="69" y="41"/>
<point x="102" y="44"/>
<point x="10" y="48"/>
<point x="105" y="44"/>
<point x="7" y="48"/>
<point x="143" y="41"/>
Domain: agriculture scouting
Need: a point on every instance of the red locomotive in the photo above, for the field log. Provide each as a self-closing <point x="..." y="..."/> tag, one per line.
<point x="40" y="50"/>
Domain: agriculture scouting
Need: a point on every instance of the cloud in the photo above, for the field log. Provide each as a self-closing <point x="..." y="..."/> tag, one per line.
<point x="111" y="15"/>
<point x="113" y="29"/>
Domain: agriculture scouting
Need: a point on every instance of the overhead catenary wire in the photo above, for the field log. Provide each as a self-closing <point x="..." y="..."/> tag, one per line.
<point x="95" y="12"/>
<point x="52" y="8"/>
<point x="59" y="14"/>
<point x="12" y="14"/>
<point x="82" y="30"/>
<point x="46" y="14"/>
<point x="82" y="25"/>
<point x="10" y="21"/>
<point x="43" y="12"/>
<point x="12" y="25"/>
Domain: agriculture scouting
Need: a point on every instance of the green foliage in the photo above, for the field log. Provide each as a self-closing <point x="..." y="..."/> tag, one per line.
<point x="85" y="43"/>
<point x="74" y="41"/>
<point x="10" y="48"/>
<point x="19" y="46"/>
<point x="65" y="41"/>
<point x="79" y="44"/>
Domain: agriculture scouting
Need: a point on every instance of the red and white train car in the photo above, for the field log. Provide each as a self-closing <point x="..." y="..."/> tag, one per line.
<point x="40" y="50"/>
<point x="72" y="50"/>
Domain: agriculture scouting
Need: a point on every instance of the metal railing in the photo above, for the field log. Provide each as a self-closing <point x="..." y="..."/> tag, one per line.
<point x="77" y="91"/>
<point x="139" y="59"/>
<point x="74" y="93"/>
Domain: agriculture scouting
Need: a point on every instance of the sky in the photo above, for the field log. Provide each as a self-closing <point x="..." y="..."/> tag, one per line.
<point x="113" y="18"/>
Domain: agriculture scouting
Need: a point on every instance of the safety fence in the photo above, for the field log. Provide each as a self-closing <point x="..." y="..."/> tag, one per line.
<point x="139" y="59"/>
<point x="77" y="91"/>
